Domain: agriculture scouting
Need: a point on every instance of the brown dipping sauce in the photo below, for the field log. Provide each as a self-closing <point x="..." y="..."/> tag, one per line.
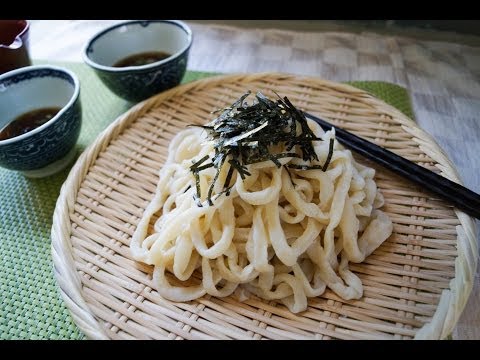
<point x="140" y="59"/>
<point x="27" y="122"/>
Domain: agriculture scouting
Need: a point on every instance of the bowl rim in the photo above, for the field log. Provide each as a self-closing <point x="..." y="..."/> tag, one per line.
<point x="99" y="34"/>
<point x="71" y="101"/>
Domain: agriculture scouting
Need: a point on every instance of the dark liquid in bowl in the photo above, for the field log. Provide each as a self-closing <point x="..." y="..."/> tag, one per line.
<point x="140" y="59"/>
<point x="27" y="122"/>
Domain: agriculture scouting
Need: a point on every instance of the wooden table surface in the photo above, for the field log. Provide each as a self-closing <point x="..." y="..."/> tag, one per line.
<point x="443" y="80"/>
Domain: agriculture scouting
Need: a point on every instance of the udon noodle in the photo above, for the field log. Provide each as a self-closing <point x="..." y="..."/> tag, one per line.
<point x="281" y="234"/>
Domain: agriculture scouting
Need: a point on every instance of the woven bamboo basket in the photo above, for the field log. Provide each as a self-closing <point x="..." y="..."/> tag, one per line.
<point x="416" y="283"/>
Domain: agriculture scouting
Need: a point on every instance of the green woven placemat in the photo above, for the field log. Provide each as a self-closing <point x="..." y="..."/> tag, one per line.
<point x="31" y="306"/>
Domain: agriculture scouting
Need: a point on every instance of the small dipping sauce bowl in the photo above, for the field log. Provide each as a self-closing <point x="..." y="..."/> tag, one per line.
<point x="49" y="146"/>
<point x="138" y="59"/>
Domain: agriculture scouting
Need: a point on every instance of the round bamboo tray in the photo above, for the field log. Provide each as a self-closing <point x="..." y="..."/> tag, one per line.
<point x="415" y="285"/>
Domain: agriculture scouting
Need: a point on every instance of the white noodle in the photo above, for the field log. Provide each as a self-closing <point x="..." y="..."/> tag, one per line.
<point x="280" y="235"/>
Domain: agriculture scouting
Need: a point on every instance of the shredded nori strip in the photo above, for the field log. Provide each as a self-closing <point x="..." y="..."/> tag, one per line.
<point x="243" y="134"/>
<point x="330" y="154"/>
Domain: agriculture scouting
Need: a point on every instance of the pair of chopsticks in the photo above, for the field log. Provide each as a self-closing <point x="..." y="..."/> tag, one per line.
<point x="459" y="196"/>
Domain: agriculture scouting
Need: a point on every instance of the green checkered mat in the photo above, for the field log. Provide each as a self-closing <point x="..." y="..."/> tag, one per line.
<point x="30" y="305"/>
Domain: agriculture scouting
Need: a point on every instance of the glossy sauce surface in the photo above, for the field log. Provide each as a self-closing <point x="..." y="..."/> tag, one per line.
<point x="142" y="59"/>
<point x="27" y="122"/>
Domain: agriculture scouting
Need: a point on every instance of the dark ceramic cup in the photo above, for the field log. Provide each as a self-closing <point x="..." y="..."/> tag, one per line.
<point x="50" y="147"/>
<point x="138" y="82"/>
<point x="13" y="45"/>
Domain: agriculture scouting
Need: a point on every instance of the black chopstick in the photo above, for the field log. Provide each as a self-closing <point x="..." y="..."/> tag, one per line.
<point x="459" y="196"/>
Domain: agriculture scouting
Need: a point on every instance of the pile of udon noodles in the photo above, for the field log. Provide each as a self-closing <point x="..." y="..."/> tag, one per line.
<point x="269" y="237"/>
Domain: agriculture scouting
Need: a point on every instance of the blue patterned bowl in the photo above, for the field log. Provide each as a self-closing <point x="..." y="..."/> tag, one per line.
<point x="50" y="147"/>
<point x="136" y="83"/>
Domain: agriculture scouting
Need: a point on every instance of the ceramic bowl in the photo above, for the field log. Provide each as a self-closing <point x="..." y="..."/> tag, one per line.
<point x="50" y="147"/>
<point x="136" y="83"/>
